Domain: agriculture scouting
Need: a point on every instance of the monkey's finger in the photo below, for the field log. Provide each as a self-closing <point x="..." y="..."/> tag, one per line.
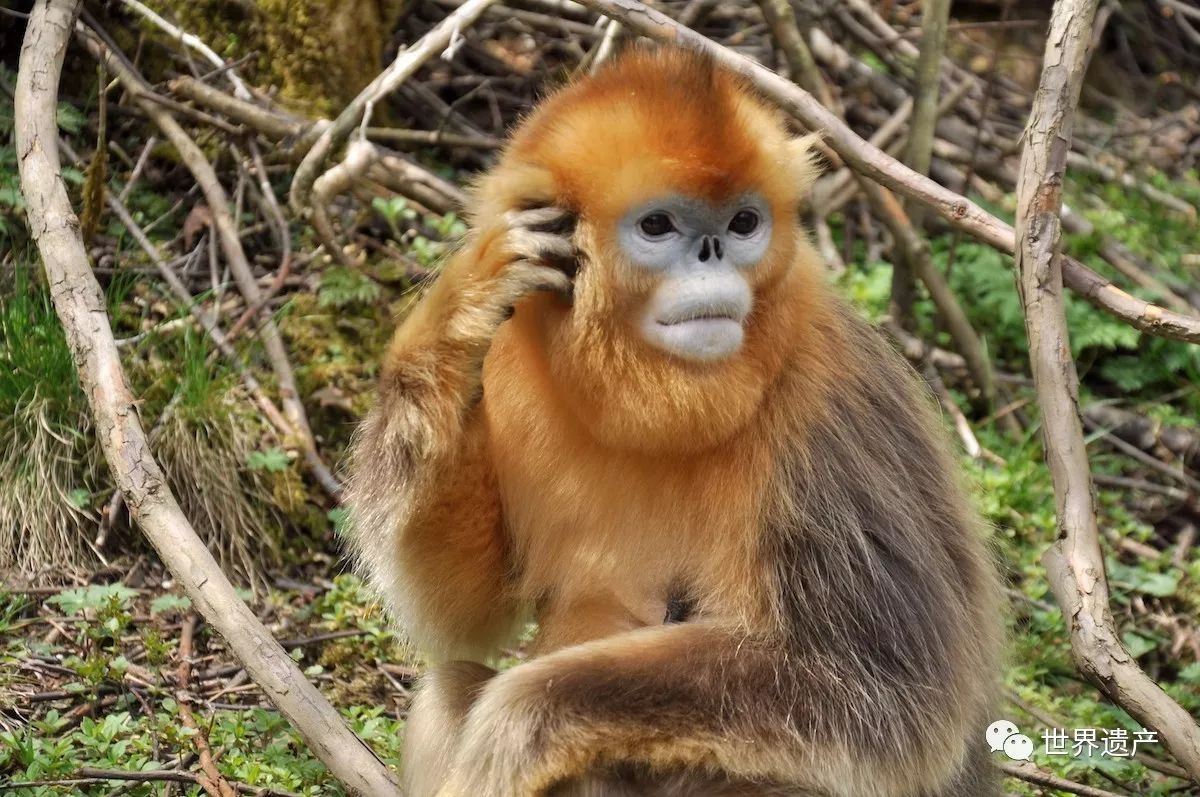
<point x="551" y="219"/>
<point x="524" y="277"/>
<point x="529" y="245"/>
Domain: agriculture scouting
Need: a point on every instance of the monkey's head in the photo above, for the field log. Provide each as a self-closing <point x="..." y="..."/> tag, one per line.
<point x="686" y="188"/>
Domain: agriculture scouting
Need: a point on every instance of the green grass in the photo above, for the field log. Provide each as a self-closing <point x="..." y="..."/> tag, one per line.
<point x="48" y="461"/>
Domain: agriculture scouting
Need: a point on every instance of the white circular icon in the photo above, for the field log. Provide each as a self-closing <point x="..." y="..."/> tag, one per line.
<point x="1018" y="747"/>
<point x="997" y="732"/>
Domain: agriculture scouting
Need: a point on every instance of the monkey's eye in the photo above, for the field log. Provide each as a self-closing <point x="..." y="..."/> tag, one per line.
<point x="744" y="222"/>
<point x="656" y="224"/>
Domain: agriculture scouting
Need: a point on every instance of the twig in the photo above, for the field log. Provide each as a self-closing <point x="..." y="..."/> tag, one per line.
<point x="1125" y="483"/>
<point x="359" y="157"/>
<point x="1124" y="261"/>
<point x="432" y="138"/>
<point x="407" y="178"/>
<point x="1031" y="774"/>
<point x="607" y="45"/>
<point x="786" y="31"/>
<point x="935" y="16"/>
<point x="268" y="121"/>
<point x="408" y="61"/>
<point x="1086" y="164"/>
<point x="138" y="167"/>
<point x="285" y="243"/>
<point x="1183" y="544"/>
<point x="226" y="228"/>
<point x="1149" y="461"/>
<point x="883" y="168"/>
<point x="194" y="43"/>
<point x="914" y="250"/>
<point x="80" y="305"/>
<point x="213" y="783"/>
<point x="1075" y="562"/>
<point x="87" y="776"/>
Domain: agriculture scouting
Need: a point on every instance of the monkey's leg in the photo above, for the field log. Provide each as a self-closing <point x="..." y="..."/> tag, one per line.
<point x="435" y="723"/>
<point x="701" y="698"/>
<point x="425" y="510"/>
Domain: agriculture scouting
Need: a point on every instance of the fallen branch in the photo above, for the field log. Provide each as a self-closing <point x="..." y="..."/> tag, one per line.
<point x="212" y="781"/>
<point x="1147" y="434"/>
<point x="359" y="157"/>
<point x="80" y="305"/>
<point x="1075" y="562"/>
<point x="1031" y="774"/>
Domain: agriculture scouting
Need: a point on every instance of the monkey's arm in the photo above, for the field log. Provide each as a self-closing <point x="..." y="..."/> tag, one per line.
<point x="425" y="511"/>
<point x="699" y="698"/>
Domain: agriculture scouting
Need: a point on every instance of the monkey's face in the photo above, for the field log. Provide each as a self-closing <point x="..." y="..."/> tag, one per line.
<point x="694" y="279"/>
<point x="701" y="255"/>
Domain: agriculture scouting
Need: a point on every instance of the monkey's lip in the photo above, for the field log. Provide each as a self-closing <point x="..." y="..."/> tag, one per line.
<point x="706" y="338"/>
<point x="702" y="315"/>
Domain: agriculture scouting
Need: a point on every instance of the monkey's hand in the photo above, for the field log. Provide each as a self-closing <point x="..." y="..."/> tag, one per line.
<point x="523" y="253"/>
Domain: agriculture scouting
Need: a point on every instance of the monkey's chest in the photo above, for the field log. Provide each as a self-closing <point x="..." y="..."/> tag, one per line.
<point x="606" y="541"/>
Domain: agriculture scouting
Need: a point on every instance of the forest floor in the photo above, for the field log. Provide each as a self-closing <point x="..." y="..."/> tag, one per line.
<point x="94" y="634"/>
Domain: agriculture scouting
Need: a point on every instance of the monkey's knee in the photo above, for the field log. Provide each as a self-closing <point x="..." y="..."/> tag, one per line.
<point x="631" y="780"/>
<point x="435" y="720"/>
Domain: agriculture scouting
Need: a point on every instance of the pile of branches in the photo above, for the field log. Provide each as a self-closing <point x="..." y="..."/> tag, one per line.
<point x="471" y="68"/>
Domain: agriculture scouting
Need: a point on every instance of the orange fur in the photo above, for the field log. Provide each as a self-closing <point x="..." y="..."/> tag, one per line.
<point x="558" y="464"/>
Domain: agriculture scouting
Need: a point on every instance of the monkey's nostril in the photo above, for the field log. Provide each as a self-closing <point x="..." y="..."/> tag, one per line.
<point x="717" y="247"/>
<point x="704" y="250"/>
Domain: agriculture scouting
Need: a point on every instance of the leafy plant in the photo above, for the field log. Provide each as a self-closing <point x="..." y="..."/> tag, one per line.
<point x="94" y="598"/>
<point x="345" y="287"/>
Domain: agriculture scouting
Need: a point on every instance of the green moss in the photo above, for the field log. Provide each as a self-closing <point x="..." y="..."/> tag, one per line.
<point x="319" y="53"/>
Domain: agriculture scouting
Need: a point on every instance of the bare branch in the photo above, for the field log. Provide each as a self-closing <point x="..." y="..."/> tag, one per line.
<point x="195" y="43"/>
<point x="1031" y="774"/>
<point x="918" y="154"/>
<point x="1075" y="561"/>
<point x="80" y="306"/>
<point x="407" y="62"/>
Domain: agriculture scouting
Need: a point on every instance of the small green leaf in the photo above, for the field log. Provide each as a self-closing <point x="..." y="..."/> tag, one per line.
<point x="1137" y="645"/>
<point x="170" y="603"/>
<point x="1191" y="673"/>
<point x="339" y="517"/>
<point x="70" y="118"/>
<point x="274" y="460"/>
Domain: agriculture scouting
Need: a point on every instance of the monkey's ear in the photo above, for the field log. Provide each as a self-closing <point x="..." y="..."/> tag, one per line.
<point x="803" y="159"/>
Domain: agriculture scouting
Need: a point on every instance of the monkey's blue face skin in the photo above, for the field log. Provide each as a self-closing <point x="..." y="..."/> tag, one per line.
<point x="703" y="255"/>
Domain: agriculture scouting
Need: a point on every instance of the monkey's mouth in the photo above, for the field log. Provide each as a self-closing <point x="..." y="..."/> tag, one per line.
<point x="700" y="333"/>
<point x="704" y="314"/>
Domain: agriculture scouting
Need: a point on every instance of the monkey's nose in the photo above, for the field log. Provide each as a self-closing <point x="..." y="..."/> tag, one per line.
<point x="710" y="245"/>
